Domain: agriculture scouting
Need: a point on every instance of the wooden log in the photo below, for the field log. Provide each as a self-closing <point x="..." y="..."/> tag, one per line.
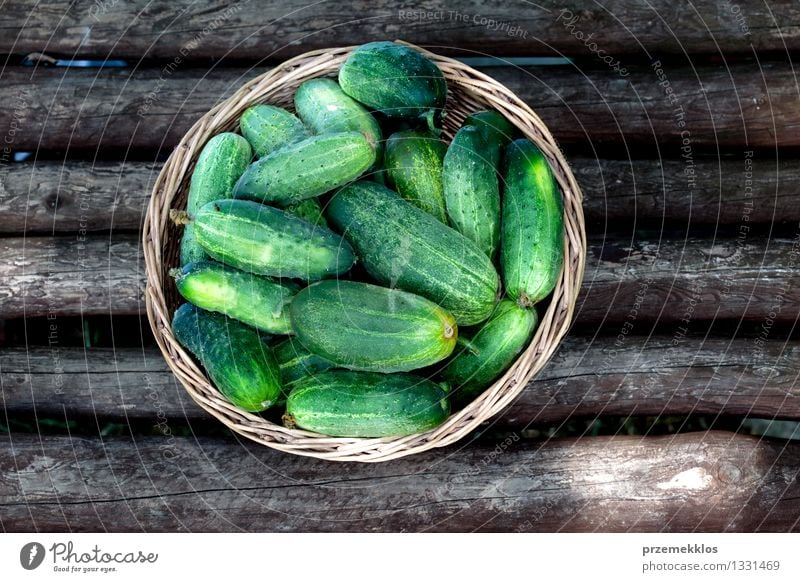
<point x="250" y="30"/>
<point x="586" y="378"/>
<point x="710" y="482"/>
<point x="49" y="197"/>
<point x="707" y="107"/>
<point x="674" y="281"/>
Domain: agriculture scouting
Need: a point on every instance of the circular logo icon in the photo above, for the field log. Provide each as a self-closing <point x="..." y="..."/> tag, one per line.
<point x="31" y="555"/>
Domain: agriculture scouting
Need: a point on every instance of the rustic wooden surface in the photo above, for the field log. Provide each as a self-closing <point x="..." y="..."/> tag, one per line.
<point x="691" y="482"/>
<point x="717" y="279"/>
<point x="65" y="197"/>
<point x="586" y="378"/>
<point x="256" y="30"/>
<point x="741" y="106"/>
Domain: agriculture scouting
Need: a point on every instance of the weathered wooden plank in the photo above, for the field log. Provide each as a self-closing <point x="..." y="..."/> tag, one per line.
<point x="669" y="281"/>
<point x="66" y="197"/>
<point x="690" y="482"/>
<point x="635" y="375"/>
<point x="258" y="30"/>
<point x="742" y="106"/>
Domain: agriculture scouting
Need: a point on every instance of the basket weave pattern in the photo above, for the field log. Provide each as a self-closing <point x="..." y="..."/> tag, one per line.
<point x="468" y="91"/>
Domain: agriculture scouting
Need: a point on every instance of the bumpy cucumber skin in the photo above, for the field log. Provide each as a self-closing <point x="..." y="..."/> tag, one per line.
<point x="405" y="247"/>
<point x="472" y="190"/>
<point x="269" y="128"/>
<point x="532" y="237"/>
<point x="236" y="359"/>
<point x="365" y="327"/>
<point x="267" y="241"/>
<point x="306" y="168"/>
<point x="221" y="162"/>
<point x="325" y="108"/>
<point x="496" y="345"/>
<point x="413" y="161"/>
<point x="366" y="404"/>
<point x="309" y="210"/>
<point x="497" y="130"/>
<point x="393" y="79"/>
<point x="251" y="299"/>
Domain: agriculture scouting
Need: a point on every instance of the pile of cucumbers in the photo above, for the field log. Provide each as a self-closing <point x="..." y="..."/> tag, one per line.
<point x="346" y="267"/>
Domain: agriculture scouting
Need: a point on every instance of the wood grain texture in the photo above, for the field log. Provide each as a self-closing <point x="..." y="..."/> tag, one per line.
<point x="742" y="106"/>
<point x="48" y="197"/>
<point x="691" y="482"/>
<point x="677" y="281"/>
<point x="586" y="378"/>
<point x="257" y="30"/>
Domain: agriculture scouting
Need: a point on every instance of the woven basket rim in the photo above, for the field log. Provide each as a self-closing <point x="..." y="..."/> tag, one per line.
<point x="475" y="90"/>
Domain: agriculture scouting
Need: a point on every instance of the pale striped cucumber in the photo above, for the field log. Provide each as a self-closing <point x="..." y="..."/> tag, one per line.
<point x="490" y="351"/>
<point x="221" y="162"/>
<point x="405" y="247"/>
<point x="366" y="404"/>
<point x="269" y="128"/>
<point x="365" y="327"/>
<point x="413" y="163"/>
<point x="251" y="299"/>
<point x="496" y="128"/>
<point x="325" y="108"/>
<point x="532" y="245"/>
<point x="239" y="363"/>
<point x="472" y="190"/>
<point x="307" y="168"/>
<point x="267" y="241"/>
<point x="296" y="362"/>
<point x="394" y="79"/>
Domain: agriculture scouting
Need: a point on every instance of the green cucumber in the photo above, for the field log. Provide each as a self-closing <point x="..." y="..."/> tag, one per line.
<point x="394" y="79"/>
<point x="405" y="247"/>
<point x="365" y="404"/>
<point x="325" y="108"/>
<point x="306" y="168"/>
<point x="532" y="238"/>
<point x="490" y="351"/>
<point x="267" y="241"/>
<point x="251" y="299"/>
<point x="296" y="362"/>
<point x="221" y="162"/>
<point x="365" y="327"/>
<point x="497" y="129"/>
<point x="235" y="357"/>
<point x="309" y="210"/>
<point x="269" y="128"/>
<point x="413" y="162"/>
<point x="472" y="190"/>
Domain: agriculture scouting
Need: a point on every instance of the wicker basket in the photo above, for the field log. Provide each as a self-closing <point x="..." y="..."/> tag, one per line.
<point x="468" y="91"/>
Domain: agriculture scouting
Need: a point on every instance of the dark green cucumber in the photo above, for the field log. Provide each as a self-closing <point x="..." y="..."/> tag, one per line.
<point x="269" y="128"/>
<point x="472" y="190"/>
<point x="365" y="327"/>
<point x="252" y="299"/>
<point x="307" y="168"/>
<point x="497" y="129"/>
<point x="236" y="359"/>
<point x="405" y="247"/>
<point x="267" y="241"/>
<point x="221" y="162"/>
<point x="395" y="80"/>
<point x="491" y="350"/>
<point x="532" y="238"/>
<point x="296" y="362"/>
<point x="413" y="162"/>
<point x="309" y="210"/>
<point x="365" y="404"/>
<point x="325" y="108"/>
